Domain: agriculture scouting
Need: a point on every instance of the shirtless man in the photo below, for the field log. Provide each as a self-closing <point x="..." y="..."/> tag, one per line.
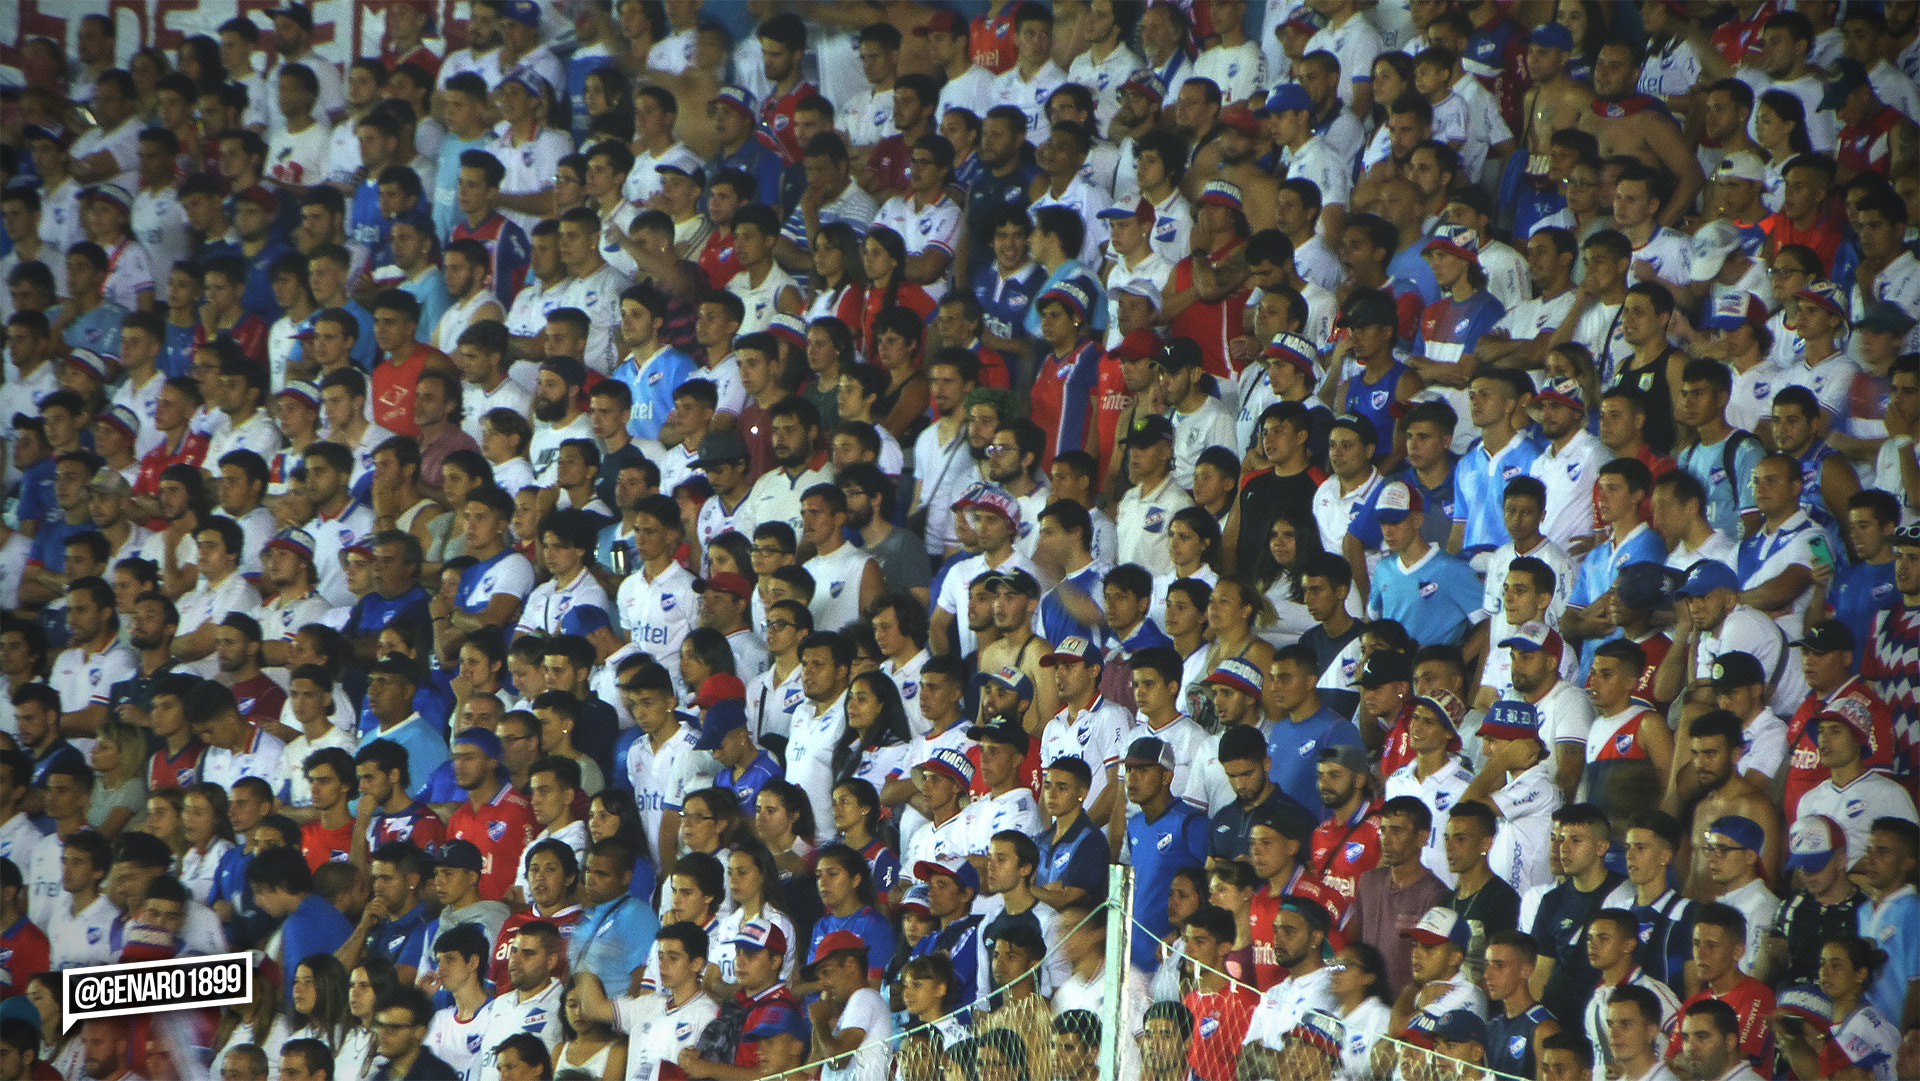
<point x="1715" y="739"/>
<point x="1015" y="595"/>
<point x="1555" y="102"/>
<point x="1630" y="123"/>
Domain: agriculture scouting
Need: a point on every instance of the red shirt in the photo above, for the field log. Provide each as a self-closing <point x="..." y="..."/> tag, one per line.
<point x="1112" y="399"/>
<point x="177" y="771"/>
<point x="501" y="829"/>
<point x="1398" y="751"/>
<point x="1345" y="850"/>
<point x="717" y="258"/>
<point x="1266" y="905"/>
<point x="1219" y="1027"/>
<point x="250" y="334"/>
<point x="422" y="56"/>
<point x="777" y="114"/>
<point x="24" y="952"/>
<point x="393" y="386"/>
<point x="323" y="846"/>
<point x="1738" y="39"/>
<point x="1868" y="147"/>
<point x="191" y="451"/>
<point x="1823" y="236"/>
<point x="990" y="40"/>
<point x="1752" y="1003"/>
<point x="1804" y="771"/>
<point x="563" y="921"/>
<point x="888" y="161"/>
<point x="260" y="699"/>
<point x="1211" y="324"/>
<point x="908" y="295"/>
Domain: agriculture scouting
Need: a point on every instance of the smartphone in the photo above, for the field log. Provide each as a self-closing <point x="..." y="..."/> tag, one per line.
<point x="1821" y="554"/>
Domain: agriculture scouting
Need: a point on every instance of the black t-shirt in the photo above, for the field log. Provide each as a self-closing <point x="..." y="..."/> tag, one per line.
<point x="1263" y="500"/>
<point x="1560" y="932"/>
<point x="1495" y="907"/>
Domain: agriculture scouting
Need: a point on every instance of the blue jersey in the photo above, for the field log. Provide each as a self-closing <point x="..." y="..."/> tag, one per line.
<point x="365" y="224"/>
<point x="1077" y="860"/>
<point x="653" y="382"/>
<point x="1068" y="271"/>
<point x="1054" y="622"/>
<point x="426" y="745"/>
<point x="1601" y="566"/>
<point x="1004" y="301"/>
<point x="431" y="290"/>
<point x="1375" y="401"/>
<point x="1294" y="748"/>
<point x="758" y="159"/>
<point x="258" y="297"/>
<point x="1437" y="523"/>
<point x="583" y="62"/>
<point x="872" y="928"/>
<point x="1727" y="496"/>
<point x="1158" y="848"/>
<point x="1480" y="485"/>
<point x="1409" y="264"/>
<point x="1450" y="329"/>
<point x="446" y="189"/>
<point x="612" y="939"/>
<point x="1432" y="599"/>
<point x="176" y="356"/>
<point x="314" y="927"/>
<point x="401" y="940"/>
<point x="746" y="787"/>
<point x="1860" y="592"/>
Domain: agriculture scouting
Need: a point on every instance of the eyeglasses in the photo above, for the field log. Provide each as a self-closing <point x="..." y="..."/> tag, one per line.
<point x="690" y="817"/>
<point x="1570" y="182"/>
<point x="1774" y="272"/>
<point x="1001" y="448"/>
<point x="1719" y="850"/>
<point x="781" y="625"/>
<point x="515" y="739"/>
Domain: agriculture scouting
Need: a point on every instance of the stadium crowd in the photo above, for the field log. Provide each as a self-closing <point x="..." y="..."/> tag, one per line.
<point x="1428" y="486"/>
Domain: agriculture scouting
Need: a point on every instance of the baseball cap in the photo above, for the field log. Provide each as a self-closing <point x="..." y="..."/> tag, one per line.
<point x="1127" y="208"/>
<point x="1221" y="193"/>
<point x="1148" y="83"/>
<point x="1712" y="243"/>
<point x="1733" y="309"/>
<point x="1145" y="290"/>
<point x="584" y="619"/>
<point x="1397" y="502"/>
<point x="1511" y="718"/>
<point x="1461" y="1026"/>
<point x="1149" y="751"/>
<point x="487" y="743"/>
<point x="760" y="935"/>
<point x="720" y="687"/>
<point x="1238" y="674"/>
<point x="719" y="448"/>
<point x="1148" y="430"/>
<point x="1647" y="584"/>
<point x="1007" y="735"/>
<point x="1552" y="36"/>
<point x="122" y="418"/>
<point x="1286" y="98"/>
<point x="1358" y="425"/>
<point x="1074" y="647"/>
<point x="1566" y="392"/>
<point x="1741" y="165"/>
<point x="834" y="941"/>
<point x="1739" y="830"/>
<point x="1848" y="75"/>
<point x="726" y="582"/>
<point x="916" y="900"/>
<point x="302" y="390"/>
<point x="1016" y="579"/>
<point x="1705" y="576"/>
<point x="1851" y="712"/>
<point x="960" y="870"/>
<point x="1455" y="240"/>
<point x="112" y="193"/>
<point x="1885" y="317"/>
<point x="1011" y="678"/>
<point x="1142" y="344"/>
<point x="1828" y="636"/>
<point x="788" y="327"/>
<point x="1386" y="666"/>
<point x="524" y="12"/>
<point x="461" y="856"/>
<point x="1069" y="293"/>
<point x="738" y="97"/>
<point x="1532" y="637"/>
<point x="682" y="161"/>
<point x="1812" y="842"/>
<point x="1323" y="1033"/>
<point x="994" y="498"/>
<point x="296" y="540"/>
<point x="721" y="719"/>
<point x="1241" y="119"/>
<point x="1347" y="756"/>
<point x="1735" y="669"/>
<point x="1826" y="295"/>
<point x="1439" y="926"/>
<point x="953" y="764"/>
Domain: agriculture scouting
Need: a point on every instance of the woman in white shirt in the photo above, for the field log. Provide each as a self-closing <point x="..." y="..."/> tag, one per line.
<point x="752" y="881"/>
<point x="1360" y="989"/>
<point x="1280" y="579"/>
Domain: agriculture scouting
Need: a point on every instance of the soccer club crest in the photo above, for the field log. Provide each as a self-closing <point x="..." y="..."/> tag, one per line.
<point x="668" y="601"/>
<point x="1377" y="400"/>
<point x="496" y="831"/>
<point x="1428" y="589"/>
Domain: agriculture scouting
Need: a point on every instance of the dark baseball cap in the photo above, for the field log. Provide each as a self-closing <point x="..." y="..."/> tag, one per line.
<point x="1386" y="666"/>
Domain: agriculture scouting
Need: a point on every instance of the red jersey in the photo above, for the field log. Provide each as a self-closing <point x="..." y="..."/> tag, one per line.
<point x="250" y="334"/>
<point x="175" y="771"/>
<point x="323" y="846"/>
<point x="1738" y="39"/>
<point x="1399" y="750"/>
<point x="717" y="257"/>
<point x="1344" y="850"/>
<point x="1062" y="388"/>
<point x="888" y="161"/>
<point x="1655" y="645"/>
<point x="1219" y="1027"/>
<point x="777" y="114"/>
<point x="1213" y="324"/>
<point x="422" y="56"/>
<point x="993" y="367"/>
<point x="990" y="40"/>
<point x="501" y="829"/>
<point x="191" y="450"/>
<point x="259" y="699"/>
<point x="24" y="954"/>
<point x="1868" y="147"/>
<point x="1111" y="399"/>
<point x="1266" y="905"/>
<point x="908" y="296"/>
<point x="417" y="825"/>
<point x="1752" y="1003"/>
<point x="394" y="381"/>
<point x="563" y="921"/>
<point x="1804" y="771"/>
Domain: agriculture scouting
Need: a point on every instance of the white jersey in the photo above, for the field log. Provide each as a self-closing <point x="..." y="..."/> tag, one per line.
<point x="836" y="585"/>
<point x="77" y="939"/>
<point x="85" y="679"/>
<point x="456" y="1042"/>
<point x="659" y="778"/>
<point x="657" y="1031"/>
<point x="531" y="167"/>
<point x="508" y="1015"/>
<point x="657" y="612"/>
<point x="550" y="602"/>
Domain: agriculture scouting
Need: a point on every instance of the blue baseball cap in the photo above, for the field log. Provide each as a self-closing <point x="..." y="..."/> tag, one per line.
<point x="1705" y="576"/>
<point x="1461" y="1026"/>
<point x="1742" y="831"/>
<point x="1511" y="718"/>
<point x="721" y="719"/>
<point x="488" y="743"/>
<point x="1287" y="97"/>
<point x="1552" y="36"/>
<point x="584" y="620"/>
<point x="960" y="870"/>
